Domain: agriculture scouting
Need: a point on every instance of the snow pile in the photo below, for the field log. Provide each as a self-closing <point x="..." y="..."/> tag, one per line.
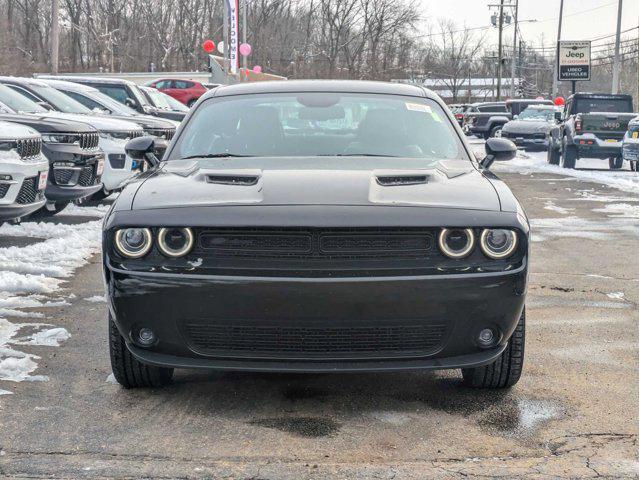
<point x="96" y="299"/>
<point x="30" y="277"/>
<point x="592" y="170"/>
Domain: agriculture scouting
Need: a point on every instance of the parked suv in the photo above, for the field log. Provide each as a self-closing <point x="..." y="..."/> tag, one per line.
<point x="114" y="133"/>
<point x="76" y="162"/>
<point x="23" y="171"/>
<point x="185" y="91"/>
<point x="124" y="91"/>
<point x="168" y="105"/>
<point x="593" y="125"/>
<point x="487" y="119"/>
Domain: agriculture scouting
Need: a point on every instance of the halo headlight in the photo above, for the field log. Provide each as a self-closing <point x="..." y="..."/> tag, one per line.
<point x="456" y="242"/>
<point x="498" y="243"/>
<point x="133" y="242"/>
<point x="175" y="242"/>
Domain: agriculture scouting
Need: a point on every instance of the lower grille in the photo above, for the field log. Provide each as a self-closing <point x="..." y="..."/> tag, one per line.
<point x="28" y="192"/>
<point x="4" y="188"/>
<point x="63" y="176"/>
<point x="228" y="340"/>
<point x="87" y="176"/>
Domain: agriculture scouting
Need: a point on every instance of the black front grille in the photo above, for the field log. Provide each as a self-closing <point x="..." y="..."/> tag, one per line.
<point x="29" y="147"/>
<point x="63" y="176"/>
<point x="89" y="140"/>
<point x="87" y="176"/>
<point x="28" y="191"/>
<point x="375" y="340"/>
<point x="318" y="243"/>
<point x="4" y="188"/>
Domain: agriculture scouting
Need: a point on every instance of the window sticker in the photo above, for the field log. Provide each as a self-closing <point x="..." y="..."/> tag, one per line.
<point x="418" y="107"/>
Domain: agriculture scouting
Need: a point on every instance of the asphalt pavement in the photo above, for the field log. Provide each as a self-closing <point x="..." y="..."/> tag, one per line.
<point x="573" y="414"/>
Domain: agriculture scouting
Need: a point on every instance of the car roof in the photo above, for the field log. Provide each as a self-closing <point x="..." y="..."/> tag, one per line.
<point x="483" y="104"/>
<point x="22" y="81"/>
<point x="63" y="84"/>
<point x="623" y="96"/>
<point x="539" y="101"/>
<point x="77" y="78"/>
<point x="338" y="86"/>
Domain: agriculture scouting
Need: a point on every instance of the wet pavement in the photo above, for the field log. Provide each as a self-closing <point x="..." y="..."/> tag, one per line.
<point x="574" y="413"/>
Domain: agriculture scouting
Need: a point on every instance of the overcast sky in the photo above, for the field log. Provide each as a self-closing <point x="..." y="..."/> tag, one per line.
<point x="583" y="19"/>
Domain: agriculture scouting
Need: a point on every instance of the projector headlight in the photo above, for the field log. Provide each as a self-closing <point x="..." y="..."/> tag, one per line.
<point x="498" y="243"/>
<point x="175" y="242"/>
<point x="133" y="242"/>
<point x="456" y="242"/>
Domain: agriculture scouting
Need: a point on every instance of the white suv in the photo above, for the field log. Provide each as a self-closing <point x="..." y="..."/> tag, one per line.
<point x="23" y="171"/>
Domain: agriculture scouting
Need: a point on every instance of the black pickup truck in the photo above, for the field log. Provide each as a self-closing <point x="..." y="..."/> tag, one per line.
<point x="484" y="120"/>
<point x="593" y="125"/>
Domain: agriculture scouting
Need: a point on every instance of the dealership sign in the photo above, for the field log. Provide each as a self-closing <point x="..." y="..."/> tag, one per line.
<point x="573" y="59"/>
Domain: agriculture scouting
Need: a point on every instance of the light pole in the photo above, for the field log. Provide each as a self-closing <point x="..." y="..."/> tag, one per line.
<point x="555" y="85"/>
<point x="616" y="67"/>
<point x="512" y="61"/>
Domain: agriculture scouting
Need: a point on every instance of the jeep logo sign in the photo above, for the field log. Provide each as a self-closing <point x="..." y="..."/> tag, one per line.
<point x="573" y="59"/>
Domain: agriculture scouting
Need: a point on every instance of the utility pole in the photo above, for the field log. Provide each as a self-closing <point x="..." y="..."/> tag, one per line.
<point x="555" y="84"/>
<point x="512" y="61"/>
<point x="500" y="48"/>
<point x="55" y="36"/>
<point x="616" y="67"/>
<point x="244" y="33"/>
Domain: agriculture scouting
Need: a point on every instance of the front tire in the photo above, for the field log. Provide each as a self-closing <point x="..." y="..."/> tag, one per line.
<point x="506" y="370"/>
<point x="553" y="155"/>
<point x="569" y="155"/>
<point x="615" y="163"/>
<point x="128" y="370"/>
<point x="495" y="130"/>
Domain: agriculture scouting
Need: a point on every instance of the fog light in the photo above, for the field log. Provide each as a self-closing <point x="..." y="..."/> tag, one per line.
<point x="146" y="336"/>
<point x="486" y="337"/>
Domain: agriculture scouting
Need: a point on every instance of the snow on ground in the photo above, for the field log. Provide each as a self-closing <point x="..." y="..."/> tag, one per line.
<point x="31" y="277"/>
<point x="96" y="299"/>
<point x="588" y="169"/>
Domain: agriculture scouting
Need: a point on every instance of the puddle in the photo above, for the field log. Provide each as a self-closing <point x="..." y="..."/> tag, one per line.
<point x="521" y="417"/>
<point x="310" y="427"/>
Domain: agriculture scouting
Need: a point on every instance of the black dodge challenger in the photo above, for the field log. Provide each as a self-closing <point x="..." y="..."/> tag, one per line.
<point x="317" y="226"/>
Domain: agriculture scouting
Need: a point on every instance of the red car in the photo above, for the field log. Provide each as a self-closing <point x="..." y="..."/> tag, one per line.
<point x="185" y="91"/>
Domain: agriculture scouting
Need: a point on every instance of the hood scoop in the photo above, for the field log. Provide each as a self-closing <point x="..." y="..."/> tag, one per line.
<point x="400" y="180"/>
<point x="232" y="179"/>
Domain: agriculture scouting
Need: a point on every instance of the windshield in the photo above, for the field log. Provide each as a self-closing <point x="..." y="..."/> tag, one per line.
<point x="59" y="100"/>
<point x="537" y="115"/>
<point x="111" y="104"/>
<point x="588" y="105"/>
<point x="175" y="104"/>
<point x="18" y="102"/>
<point x="157" y="99"/>
<point x="139" y="96"/>
<point x="320" y="124"/>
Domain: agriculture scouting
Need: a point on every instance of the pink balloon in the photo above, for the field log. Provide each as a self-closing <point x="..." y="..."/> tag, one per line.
<point x="257" y="69"/>
<point x="245" y="49"/>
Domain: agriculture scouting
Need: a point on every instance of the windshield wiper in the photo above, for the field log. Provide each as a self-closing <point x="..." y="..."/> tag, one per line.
<point x="214" y="155"/>
<point x="358" y="155"/>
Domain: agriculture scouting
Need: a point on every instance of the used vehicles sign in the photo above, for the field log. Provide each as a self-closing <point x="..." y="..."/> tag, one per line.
<point x="573" y="60"/>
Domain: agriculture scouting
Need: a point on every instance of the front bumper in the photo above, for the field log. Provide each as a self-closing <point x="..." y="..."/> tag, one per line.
<point x="79" y="186"/>
<point x="526" y="142"/>
<point x="21" y="195"/>
<point x="305" y="324"/>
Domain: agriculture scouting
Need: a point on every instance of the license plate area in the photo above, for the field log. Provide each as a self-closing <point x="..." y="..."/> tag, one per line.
<point x="42" y="180"/>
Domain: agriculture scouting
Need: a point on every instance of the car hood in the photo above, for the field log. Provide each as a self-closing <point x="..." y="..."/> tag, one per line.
<point x="99" y="122"/>
<point x="147" y="121"/>
<point x="13" y="131"/>
<point x="44" y="123"/>
<point x="317" y="181"/>
<point x="526" y="126"/>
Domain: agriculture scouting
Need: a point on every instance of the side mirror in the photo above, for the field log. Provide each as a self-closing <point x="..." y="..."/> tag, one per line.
<point x="45" y="105"/>
<point x="130" y="103"/>
<point x="498" y="149"/>
<point x="142" y="148"/>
